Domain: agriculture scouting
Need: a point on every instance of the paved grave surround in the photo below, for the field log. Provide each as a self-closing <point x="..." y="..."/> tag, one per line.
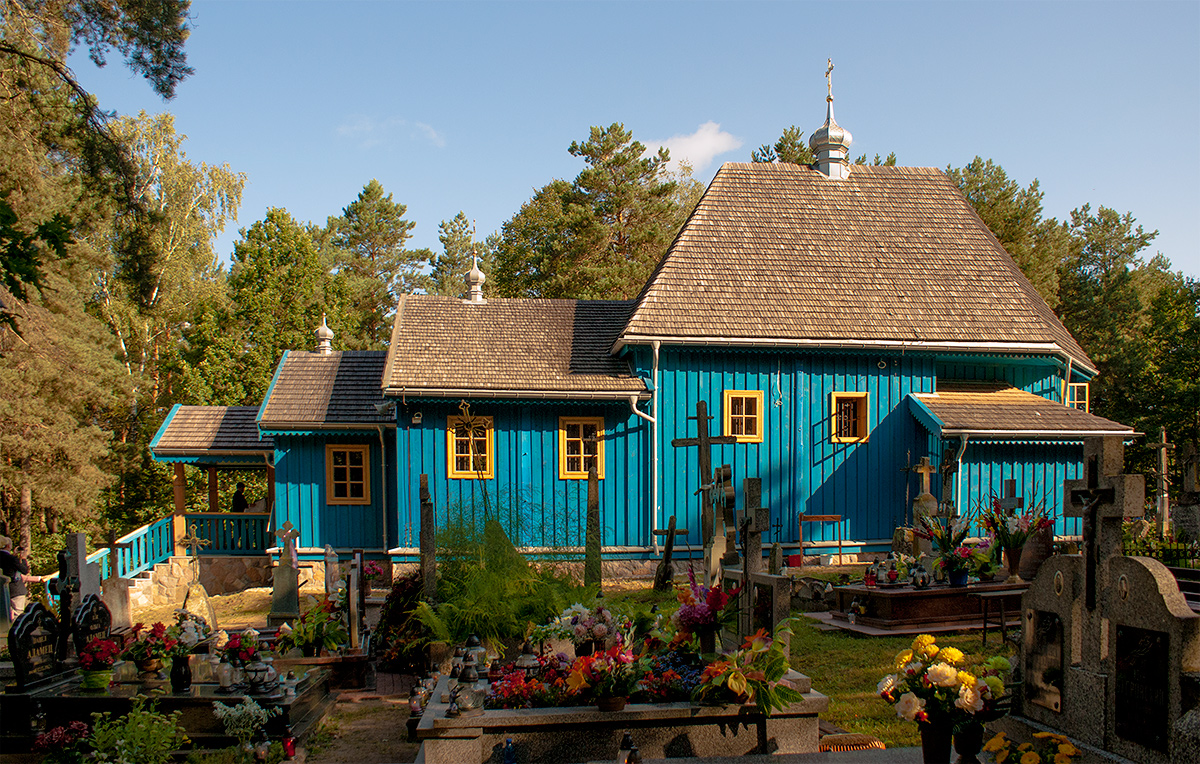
<point x="556" y="735"/>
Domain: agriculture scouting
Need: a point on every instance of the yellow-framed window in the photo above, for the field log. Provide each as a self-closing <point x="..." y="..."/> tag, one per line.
<point x="347" y="474"/>
<point x="743" y="415"/>
<point x="470" y="448"/>
<point x="851" y="421"/>
<point x="580" y="445"/>
<point x="1077" y="395"/>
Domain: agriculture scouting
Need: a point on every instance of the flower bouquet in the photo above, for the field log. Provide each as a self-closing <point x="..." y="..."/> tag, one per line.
<point x="939" y="687"/>
<point x="949" y="538"/>
<point x="150" y="646"/>
<point x="703" y="610"/>
<point x="585" y="628"/>
<point x="1060" y="749"/>
<point x="96" y="661"/>
<point x="240" y="649"/>
<point x="187" y="633"/>
<point x="320" y="627"/>
<point x="1011" y="530"/>
<point x="612" y="673"/>
<point x="62" y="745"/>
<point x="752" y="674"/>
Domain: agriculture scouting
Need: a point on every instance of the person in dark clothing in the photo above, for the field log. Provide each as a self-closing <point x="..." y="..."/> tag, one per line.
<point x="18" y="571"/>
<point x="239" y="503"/>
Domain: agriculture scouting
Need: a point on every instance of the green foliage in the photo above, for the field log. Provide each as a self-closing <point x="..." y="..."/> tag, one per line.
<point x="458" y="247"/>
<point x="599" y="236"/>
<point x="245" y="720"/>
<point x="235" y="755"/>
<point x="486" y="588"/>
<point x="791" y="147"/>
<point x="142" y="735"/>
<point x="321" y="626"/>
<point x="401" y="638"/>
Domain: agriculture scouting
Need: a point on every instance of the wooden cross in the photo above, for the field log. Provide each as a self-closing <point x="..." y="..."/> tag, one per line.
<point x="663" y="574"/>
<point x="949" y="467"/>
<point x="705" y="442"/>
<point x="288" y="534"/>
<point x="112" y="546"/>
<point x="1164" y="481"/>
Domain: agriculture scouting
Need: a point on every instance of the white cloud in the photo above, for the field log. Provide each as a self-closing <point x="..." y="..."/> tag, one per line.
<point x="698" y="148"/>
<point x="368" y="132"/>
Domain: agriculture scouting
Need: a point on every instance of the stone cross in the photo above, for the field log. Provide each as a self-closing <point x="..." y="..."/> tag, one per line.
<point x="1103" y="499"/>
<point x="1164" y="481"/>
<point x="925" y="503"/>
<point x="664" y="573"/>
<point x="115" y="589"/>
<point x="752" y="521"/>
<point x="704" y="441"/>
<point x="288" y="534"/>
<point x="428" y="541"/>
<point x="1009" y="501"/>
<point x="333" y="573"/>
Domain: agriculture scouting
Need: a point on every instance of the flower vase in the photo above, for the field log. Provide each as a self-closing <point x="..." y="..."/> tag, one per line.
<point x="958" y="577"/>
<point x="968" y="742"/>
<point x="181" y="674"/>
<point x="150" y="669"/>
<point x="584" y="648"/>
<point x="97" y="679"/>
<point x="608" y="704"/>
<point x="1012" y="556"/>
<point x="935" y="742"/>
<point x="708" y="639"/>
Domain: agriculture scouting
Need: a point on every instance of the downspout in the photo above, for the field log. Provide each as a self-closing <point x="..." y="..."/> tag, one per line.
<point x="383" y="482"/>
<point x="653" y="420"/>
<point x="958" y="460"/>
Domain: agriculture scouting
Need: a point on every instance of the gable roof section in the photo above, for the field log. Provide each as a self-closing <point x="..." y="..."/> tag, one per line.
<point x="508" y="348"/>
<point x="891" y="257"/>
<point x="994" y="410"/>
<point x="207" y="432"/>
<point x="314" y="391"/>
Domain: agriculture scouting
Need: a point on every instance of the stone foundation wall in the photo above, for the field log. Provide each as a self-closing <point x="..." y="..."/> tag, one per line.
<point x="169" y="580"/>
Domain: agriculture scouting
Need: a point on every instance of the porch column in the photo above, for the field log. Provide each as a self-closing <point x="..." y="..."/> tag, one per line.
<point x="178" y="522"/>
<point x="270" y="488"/>
<point x="212" y="490"/>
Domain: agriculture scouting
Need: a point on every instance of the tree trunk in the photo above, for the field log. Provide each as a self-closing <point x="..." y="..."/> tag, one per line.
<point x="25" y="519"/>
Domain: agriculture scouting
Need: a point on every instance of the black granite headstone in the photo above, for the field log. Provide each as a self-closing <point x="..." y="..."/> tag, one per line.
<point x="1044" y="685"/>
<point x="91" y="619"/>
<point x="1142" y="659"/>
<point x="32" y="642"/>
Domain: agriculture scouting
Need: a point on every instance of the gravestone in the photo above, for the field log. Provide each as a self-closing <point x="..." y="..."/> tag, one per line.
<point x="1110" y="649"/>
<point x="92" y="619"/>
<point x="665" y="572"/>
<point x="355" y="599"/>
<point x="767" y="602"/>
<point x="33" y="643"/>
<point x="195" y="600"/>
<point x="333" y="573"/>
<point x="1186" y="518"/>
<point x="591" y="554"/>
<point x="704" y="441"/>
<point x="114" y="590"/>
<point x="87" y="572"/>
<point x="285" y="589"/>
<point x="752" y="522"/>
<point x="428" y="542"/>
<point x="925" y="505"/>
<point x="775" y="562"/>
<point x="66" y="587"/>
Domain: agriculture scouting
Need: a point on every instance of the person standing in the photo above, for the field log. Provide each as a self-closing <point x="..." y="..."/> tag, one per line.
<point x="239" y="503"/>
<point x="17" y="571"/>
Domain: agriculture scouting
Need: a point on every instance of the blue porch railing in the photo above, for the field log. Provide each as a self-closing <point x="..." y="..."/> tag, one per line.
<point x="149" y="545"/>
<point x="231" y="534"/>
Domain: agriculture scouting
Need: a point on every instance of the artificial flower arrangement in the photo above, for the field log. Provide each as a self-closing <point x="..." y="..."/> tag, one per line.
<point x="150" y="644"/>
<point x="1060" y="750"/>
<point x="949" y="538"/>
<point x="580" y="624"/>
<point x="99" y="654"/>
<point x="612" y="673"/>
<point x="751" y="674"/>
<point x="187" y="632"/>
<point x="240" y="649"/>
<point x="1010" y="529"/>
<point x="703" y="607"/>
<point x="374" y="573"/>
<point x="320" y="627"/>
<point x="934" y="685"/>
<point x="544" y="688"/>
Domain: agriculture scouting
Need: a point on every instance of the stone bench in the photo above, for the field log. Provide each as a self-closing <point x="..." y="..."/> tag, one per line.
<point x="583" y="733"/>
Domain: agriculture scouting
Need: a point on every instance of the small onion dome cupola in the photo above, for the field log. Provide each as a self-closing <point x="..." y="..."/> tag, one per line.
<point x="830" y="143"/>
<point x="475" y="279"/>
<point x="324" y="337"/>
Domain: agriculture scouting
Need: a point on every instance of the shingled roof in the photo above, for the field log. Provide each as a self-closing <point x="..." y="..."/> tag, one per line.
<point x="999" y="410"/>
<point x="508" y="348"/>
<point x="317" y="390"/>
<point x="210" y="431"/>
<point x="890" y="257"/>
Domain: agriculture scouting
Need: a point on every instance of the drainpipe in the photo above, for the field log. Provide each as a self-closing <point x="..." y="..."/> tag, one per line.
<point x="383" y="483"/>
<point x="653" y="420"/>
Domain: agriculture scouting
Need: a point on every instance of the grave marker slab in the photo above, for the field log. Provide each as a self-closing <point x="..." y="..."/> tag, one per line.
<point x="285" y="589"/>
<point x="33" y="642"/>
<point x="91" y="619"/>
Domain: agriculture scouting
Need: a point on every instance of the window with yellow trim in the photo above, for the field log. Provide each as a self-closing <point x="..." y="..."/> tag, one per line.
<point x="851" y="421"/>
<point x="347" y="474"/>
<point x="580" y="445"/>
<point x="744" y="415"/>
<point x="1077" y="395"/>
<point x="469" y="447"/>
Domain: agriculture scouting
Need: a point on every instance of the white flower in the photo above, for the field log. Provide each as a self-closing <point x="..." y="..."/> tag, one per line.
<point x="943" y="674"/>
<point x="1011" y="525"/>
<point x="969" y="699"/>
<point x="915" y="667"/>
<point x="887" y="684"/>
<point x="909" y="706"/>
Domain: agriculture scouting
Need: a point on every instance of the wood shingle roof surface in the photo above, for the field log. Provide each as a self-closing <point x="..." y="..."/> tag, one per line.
<point x="889" y="255"/>
<point x="999" y="408"/>
<point x="518" y="347"/>
<point x="195" y="430"/>
<point x="314" y="389"/>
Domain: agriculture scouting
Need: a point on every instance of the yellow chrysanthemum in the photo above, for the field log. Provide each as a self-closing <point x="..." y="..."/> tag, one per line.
<point x="922" y="641"/>
<point x="1067" y="749"/>
<point x="951" y="655"/>
<point x="1002" y="756"/>
<point x="903" y="658"/>
<point x="998" y="742"/>
<point x="1062" y="758"/>
<point x="964" y="678"/>
<point x="1031" y="758"/>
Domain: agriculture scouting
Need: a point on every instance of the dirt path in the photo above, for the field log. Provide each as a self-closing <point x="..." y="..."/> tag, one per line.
<point x="370" y="731"/>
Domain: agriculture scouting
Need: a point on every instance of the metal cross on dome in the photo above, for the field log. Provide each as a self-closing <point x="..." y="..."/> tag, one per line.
<point x="829" y="78"/>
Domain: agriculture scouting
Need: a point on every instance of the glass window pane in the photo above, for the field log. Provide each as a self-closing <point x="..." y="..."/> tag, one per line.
<point x="356" y="458"/>
<point x="339" y="457"/>
<point x="339" y="490"/>
<point x="356" y="490"/>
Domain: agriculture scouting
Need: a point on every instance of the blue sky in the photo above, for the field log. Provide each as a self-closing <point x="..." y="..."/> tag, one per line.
<point x="471" y="106"/>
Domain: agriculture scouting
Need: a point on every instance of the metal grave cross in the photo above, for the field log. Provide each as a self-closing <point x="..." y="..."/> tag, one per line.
<point x="288" y="534"/>
<point x="704" y="441"/>
<point x="113" y="546"/>
<point x="193" y="543"/>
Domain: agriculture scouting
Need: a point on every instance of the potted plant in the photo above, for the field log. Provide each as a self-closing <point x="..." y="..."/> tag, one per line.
<point x="703" y="609"/>
<point x="319" y="628"/>
<point x="62" y="745"/>
<point x="96" y="661"/>
<point x="142" y="735"/>
<point x="609" y="677"/>
<point x="754" y="673"/>
<point x="149" y="647"/>
<point x="946" y="694"/>
<point x="1011" y="530"/>
<point x="949" y="538"/>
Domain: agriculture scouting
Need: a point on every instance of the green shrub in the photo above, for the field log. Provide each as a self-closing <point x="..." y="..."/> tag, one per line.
<point x="142" y="735"/>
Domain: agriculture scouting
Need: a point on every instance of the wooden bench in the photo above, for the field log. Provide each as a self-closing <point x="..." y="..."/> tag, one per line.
<point x="985" y="601"/>
<point x="822" y="519"/>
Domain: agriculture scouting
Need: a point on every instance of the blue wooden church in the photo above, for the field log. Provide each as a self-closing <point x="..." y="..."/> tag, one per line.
<point x="840" y="321"/>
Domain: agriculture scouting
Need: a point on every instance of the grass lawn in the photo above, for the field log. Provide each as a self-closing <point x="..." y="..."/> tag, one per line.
<point x="847" y="667"/>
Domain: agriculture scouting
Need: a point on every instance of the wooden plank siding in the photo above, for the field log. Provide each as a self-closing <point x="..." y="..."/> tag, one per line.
<point x="300" y="493"/>
<point x="987" y="464"/>
<point x="537" y="507"/>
